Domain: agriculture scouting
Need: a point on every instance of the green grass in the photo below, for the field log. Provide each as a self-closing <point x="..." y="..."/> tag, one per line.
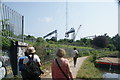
<point x="13" y="78"/>
<point x="68" y="46"/>
<point x="88" y="70"/>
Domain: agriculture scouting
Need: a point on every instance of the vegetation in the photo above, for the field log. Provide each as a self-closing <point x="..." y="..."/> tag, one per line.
<point x="6" y="44"/>
<point x="88" y="70"/>
<point x="116" y="41"/>
<point x="13" y="78"/>
<point x="100" y="41"/>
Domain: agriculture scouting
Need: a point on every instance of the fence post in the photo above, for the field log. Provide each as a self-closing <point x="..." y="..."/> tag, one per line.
<point x="23" y="28"/>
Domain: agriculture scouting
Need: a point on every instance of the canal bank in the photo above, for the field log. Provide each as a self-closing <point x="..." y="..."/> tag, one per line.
<point x="89" y="70"/>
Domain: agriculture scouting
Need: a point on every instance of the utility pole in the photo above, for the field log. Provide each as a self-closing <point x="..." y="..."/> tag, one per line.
<point x="23" y="28"/>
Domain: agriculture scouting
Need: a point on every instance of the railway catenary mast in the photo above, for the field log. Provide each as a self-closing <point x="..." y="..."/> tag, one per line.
<point x="66" y="15"/>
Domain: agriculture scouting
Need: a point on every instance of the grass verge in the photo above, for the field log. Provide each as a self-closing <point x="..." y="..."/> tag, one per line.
<point x="89" y="71"/>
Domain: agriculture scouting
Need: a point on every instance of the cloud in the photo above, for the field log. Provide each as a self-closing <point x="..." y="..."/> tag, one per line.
<point x="46" y="19"/>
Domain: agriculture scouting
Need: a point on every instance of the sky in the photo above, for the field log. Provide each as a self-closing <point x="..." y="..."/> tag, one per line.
<point x="42" y="17"/>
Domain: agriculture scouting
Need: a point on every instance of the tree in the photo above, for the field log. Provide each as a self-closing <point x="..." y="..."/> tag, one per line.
<point x="65" y="41"/>
<point x="29" y="37"/>
<point x="86" y="42"/>
<point x="54" y="39"/>
<point x="5" y="44"/>
<point x="40" y="39"/>
<point x="5" y="26"/>
<point x="4" y="41"/>
<point x="111" y="47"/>
<point x="116" y="41"/>
<point x="100" y="41"/>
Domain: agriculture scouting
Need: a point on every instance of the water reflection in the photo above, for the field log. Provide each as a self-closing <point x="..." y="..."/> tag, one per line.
<point x="110" y="72"/>
<point x="111" y="75"/>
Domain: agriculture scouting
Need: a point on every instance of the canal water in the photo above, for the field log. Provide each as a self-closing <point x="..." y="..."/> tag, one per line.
<point x="108" y="75"/>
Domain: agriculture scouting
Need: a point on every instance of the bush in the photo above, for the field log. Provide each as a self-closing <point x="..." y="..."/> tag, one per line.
<point x="100" y="41"/>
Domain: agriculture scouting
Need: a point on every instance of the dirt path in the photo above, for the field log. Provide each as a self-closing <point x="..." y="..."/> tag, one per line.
<point x="74" y="70"/>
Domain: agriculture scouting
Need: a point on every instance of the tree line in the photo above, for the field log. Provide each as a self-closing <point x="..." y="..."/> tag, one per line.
<point x="102" y="41"/>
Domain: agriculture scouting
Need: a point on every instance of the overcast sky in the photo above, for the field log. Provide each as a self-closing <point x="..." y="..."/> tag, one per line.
<point x="96" y="17"/>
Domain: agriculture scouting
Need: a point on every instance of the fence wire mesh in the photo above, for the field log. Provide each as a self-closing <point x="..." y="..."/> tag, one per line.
<point x="11" y="22"/>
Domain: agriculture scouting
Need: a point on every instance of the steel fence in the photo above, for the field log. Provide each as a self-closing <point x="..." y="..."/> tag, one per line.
<point x="11" y="23"/>
<point x="11" y="27"/>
